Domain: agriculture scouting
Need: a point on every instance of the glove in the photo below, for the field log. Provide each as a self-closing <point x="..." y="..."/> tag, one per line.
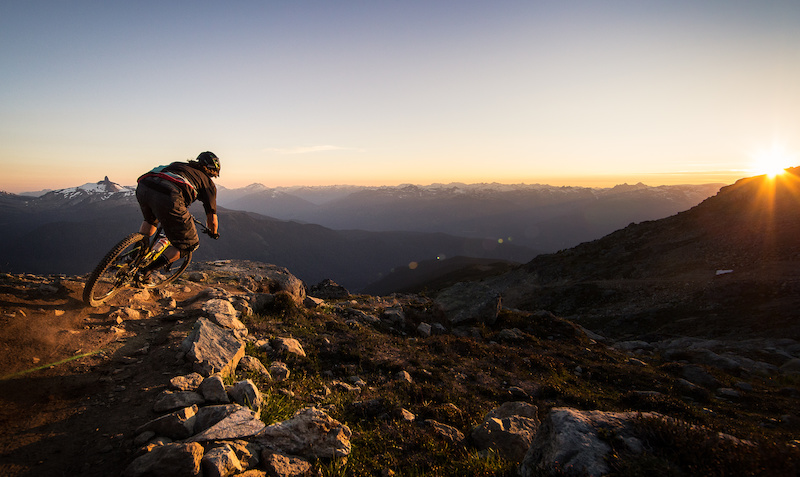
<point x="211" y="234"/>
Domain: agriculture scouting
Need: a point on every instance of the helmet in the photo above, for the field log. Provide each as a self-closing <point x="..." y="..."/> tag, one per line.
<point x="210" y="161"/>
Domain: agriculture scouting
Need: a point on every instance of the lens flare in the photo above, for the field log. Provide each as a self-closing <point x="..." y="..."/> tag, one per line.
<point x="773" y="162"/>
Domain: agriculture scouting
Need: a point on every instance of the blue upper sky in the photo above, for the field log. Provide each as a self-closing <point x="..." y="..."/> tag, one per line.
<point x="388" y="92"/>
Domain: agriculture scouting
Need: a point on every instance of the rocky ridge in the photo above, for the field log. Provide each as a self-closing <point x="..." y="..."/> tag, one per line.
<point x="242" y="369"/>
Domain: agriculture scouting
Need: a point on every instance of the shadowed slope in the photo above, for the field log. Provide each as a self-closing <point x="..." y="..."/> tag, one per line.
<point x="729" y="265"/>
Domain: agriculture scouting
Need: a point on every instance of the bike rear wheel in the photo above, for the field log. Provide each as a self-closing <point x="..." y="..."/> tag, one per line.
<point x="164" y="277"/>
<point x="115" y="271"/>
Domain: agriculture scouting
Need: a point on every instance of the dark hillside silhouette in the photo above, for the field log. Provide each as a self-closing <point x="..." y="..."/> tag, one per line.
<point x="730" y="264"/>
<point x="752" y="222"/>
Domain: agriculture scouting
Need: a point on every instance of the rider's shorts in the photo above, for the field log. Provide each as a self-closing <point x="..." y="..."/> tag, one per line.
<point x="162" y="201"/>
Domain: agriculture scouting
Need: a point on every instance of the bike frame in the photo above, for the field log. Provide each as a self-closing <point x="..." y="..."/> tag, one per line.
<point x="121" y="269"/>
<point x="152" y="255"/>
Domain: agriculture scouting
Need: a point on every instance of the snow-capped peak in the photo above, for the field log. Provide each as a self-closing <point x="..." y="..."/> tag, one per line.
<point x="104" y="187"/>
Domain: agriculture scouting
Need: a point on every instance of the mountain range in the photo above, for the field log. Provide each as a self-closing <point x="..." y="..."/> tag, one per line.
<point x="353" y="235"/>
<point x="542" y="217"/>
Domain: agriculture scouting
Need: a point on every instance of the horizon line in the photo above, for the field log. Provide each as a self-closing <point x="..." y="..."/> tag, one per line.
<point x="579" y="183"/>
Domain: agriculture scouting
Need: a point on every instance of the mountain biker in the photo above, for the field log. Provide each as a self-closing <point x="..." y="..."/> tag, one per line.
<point x="164" y="195"/>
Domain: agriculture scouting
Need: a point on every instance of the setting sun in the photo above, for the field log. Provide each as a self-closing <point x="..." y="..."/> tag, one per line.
<point x="772" y="162"/>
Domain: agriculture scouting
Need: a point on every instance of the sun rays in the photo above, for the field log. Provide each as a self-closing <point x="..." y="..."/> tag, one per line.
<point x="772" y="162"/>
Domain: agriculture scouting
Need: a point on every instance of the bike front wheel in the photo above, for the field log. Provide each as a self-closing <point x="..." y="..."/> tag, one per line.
<point x="116" y="271"/>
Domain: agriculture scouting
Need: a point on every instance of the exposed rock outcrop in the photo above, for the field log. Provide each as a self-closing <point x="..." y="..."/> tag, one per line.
<point x="168" y="460"/>
<point x="509" y="429"/>
<point x="329" y="290"/>
<point x="213" y="349"/>
<point x="569" y="440"/>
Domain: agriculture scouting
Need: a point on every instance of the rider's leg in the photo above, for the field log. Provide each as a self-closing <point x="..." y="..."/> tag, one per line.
<point x="147" y="229"/>
<point x="168" y="256"/>
<point x="171" y="253"/>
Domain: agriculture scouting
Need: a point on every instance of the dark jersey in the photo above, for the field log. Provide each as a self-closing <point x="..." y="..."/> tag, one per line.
<point x="192" y="181"/>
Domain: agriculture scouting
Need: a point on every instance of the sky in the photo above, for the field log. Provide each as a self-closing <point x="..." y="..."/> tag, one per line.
<point x="386" y="92"/>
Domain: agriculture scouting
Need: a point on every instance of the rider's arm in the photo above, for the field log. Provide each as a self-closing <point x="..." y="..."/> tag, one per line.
<point x="212" y="223"/>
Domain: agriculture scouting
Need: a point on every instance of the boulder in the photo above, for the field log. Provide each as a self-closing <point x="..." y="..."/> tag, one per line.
<point x="169" y="401"/>
<point x="177" y="425"/>
<point x="362" y="317"/>
<point x="310" y="433"/>
<point x="224" y="314"/>
<point x="221" y="462"/>
<point x="197" y="276"/>
<point x="424" y="330"/>
<point x="404" y="415"/>
<point x="243" y="307"/>
<point x="279" y="371"/>
<point x="311" y="302"/>
<point x="249" y="364"/>
<point x="169" y="460"/>
<point x="275" y="279"/>
<point x="288" y="346"/>
<point x="124" y="314"/>
<point x="569" y="441"/>
<point x="246" y="394"/>
<point x="190" y="382"/>
<point x="285" y="465"/>
<point x="329" y="290"/>
<point x="241" y="424"/>
<point x="213" y="390"/>
<point x="509" y="429"/>
<point x="344" y="387"/>
<point x="140" y="297"/>
<point x="448" y="433"/>
<point x="692" y="390"/>
<point x="394" y="315"/>
<point x="248" y="453"/>
<point x="212" y="349"/>
<point x="218" y="306"/>
<point x="208" y="416"/>
<point x="707" y="357"/>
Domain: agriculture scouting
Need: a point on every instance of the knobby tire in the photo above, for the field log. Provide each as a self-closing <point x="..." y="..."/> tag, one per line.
<point x="114" y="272"/>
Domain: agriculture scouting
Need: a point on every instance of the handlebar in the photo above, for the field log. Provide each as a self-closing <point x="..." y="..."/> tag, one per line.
<point x="205" y="229"/>
<point x="201" y="224"/>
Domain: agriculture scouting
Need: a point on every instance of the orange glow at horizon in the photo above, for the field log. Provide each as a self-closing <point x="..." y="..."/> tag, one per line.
<point x="773" y="162"/>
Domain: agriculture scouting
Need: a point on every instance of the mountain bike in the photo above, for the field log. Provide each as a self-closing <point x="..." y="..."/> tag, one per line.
<point x="122" y="267"/>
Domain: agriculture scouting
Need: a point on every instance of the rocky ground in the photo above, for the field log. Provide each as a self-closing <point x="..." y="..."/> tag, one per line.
<point x="78" y="382"/>
<point x="75" y="381"/>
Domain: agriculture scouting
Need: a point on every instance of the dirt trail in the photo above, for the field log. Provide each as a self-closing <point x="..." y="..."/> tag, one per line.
<point x="75" y="383"/>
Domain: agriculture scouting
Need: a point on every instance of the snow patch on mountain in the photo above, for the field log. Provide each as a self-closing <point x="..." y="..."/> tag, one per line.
<point x="103" y="188"/>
